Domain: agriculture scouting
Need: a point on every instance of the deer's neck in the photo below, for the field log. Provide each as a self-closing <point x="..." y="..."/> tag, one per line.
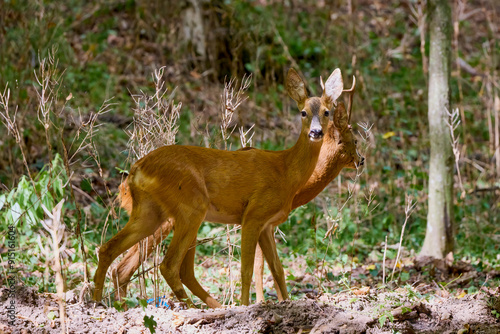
<point x="327" y="168"/>
<point x="300" y="161"/>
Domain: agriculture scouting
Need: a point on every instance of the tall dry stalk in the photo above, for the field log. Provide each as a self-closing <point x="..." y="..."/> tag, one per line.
<point x="9" y="120"/>
<point x="48" y="83"/>
<point x="410" y="206"/>
<point x="419" y="19"/>
<point x="458" y="16"/>
<point x="155" y="119"/>
<point x="383" y="261"/>
<point x="453" y="124"/>
<point x="51" y="109"/>
<point x="154" y="125"/>
<point x="232" y="97"/>
<point x="491" y="98"/>
<point x="246" y="136"/>
<point x="496" y="106"/>
<point x="48" y="79"/>
<point x="55" y="227"/>
<point x="333" y="222"/>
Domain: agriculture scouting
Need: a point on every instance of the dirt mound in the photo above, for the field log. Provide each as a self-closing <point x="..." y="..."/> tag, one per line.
<point x="363" y="311"/>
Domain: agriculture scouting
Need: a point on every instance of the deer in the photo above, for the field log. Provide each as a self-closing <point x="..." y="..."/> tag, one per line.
<point x="187" y="185"/>
<point x="339" y="150"/>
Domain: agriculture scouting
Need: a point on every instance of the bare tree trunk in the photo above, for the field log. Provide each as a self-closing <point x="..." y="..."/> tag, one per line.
<point x="439" y="235"/>
<point x="192" y="27"/>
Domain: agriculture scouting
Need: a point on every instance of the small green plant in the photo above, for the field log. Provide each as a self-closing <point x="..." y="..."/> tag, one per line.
<point x="150" y="323"/>
<point x="493" y="303"/>
<point x="383" y="318"/>
<point x="130" y="302"/>
<point x="118" y="305"/>
<point x="21" y="209"/>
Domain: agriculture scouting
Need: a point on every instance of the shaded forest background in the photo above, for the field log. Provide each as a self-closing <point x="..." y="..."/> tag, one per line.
<point x="98" y="55"/>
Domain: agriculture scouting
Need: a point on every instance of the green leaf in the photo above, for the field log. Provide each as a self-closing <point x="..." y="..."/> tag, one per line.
<point x="51" y="315"/>
<point x="2" y="201"/>
<point x="122" y="171"/>
<point x="405" y="310"/>
<point x="131" y="302"/>
<point x="150" y="323"/>
<point x="30" y="216"/>
<point x="382" y="320"/>
<point x="118" y="305"/>
<point x="143" y="303"/>
<point x="15" y="212"/>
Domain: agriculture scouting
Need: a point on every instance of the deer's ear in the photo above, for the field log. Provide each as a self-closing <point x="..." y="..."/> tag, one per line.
<point x="333" y="87"/>
<point x="296" y="88"/>
<point x="340" y="117"/>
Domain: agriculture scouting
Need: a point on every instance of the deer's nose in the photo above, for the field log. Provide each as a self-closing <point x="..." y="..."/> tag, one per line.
<point x="316" y="134"/>
<point x="362" y="161"/>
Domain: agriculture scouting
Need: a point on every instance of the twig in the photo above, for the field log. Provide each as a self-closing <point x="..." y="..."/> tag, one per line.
<point x="155" y="119"/>
<point x="246" y="136"/>
<point x="419" y="18"/>
<point x="83" y="193"/>
<point x="231" y="99"/>
<point x="9" y="121"/>
<point x="453" y="124"/>
<point x="410" y="205"/>
<point x="383" y="263"/>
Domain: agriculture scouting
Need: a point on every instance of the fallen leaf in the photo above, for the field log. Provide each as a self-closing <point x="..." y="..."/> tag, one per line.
<point x="388" y="134"/>
<point x="361" y="291"/>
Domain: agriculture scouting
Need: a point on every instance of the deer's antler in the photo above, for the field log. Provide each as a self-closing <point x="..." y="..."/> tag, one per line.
<point x="350" y="92"/>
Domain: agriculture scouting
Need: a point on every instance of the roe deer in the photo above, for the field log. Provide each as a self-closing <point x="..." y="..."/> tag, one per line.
<point x="254" y="188"/>
<point x="337" y="152"/>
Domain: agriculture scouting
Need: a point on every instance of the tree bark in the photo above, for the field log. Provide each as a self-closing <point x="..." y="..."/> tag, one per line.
<point x="439" y="236"/>
<point x="192" y="27"/>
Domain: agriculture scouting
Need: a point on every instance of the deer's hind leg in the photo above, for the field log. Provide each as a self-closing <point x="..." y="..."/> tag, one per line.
<point x="268" y="245"/>
<point x="189" y="280"/>
<point x="124" y="271"/>
<point x="258" y="269"/>
<point x="187" y="223"/>
<point x="145" y="219"/>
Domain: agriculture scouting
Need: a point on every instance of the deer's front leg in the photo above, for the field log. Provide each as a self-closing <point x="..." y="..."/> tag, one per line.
<point x="250" y="232"/>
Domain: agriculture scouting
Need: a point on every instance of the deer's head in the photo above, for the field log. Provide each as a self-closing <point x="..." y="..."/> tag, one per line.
<point x="315" y="111"/>
<point x="342" y="134"/>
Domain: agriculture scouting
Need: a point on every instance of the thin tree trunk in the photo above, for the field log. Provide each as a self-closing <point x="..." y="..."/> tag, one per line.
<point x="192" y="27"/>
<point x="439" y="235"/>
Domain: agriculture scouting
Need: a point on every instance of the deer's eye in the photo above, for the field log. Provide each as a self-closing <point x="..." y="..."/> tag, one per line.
<point x="327" y="113"/>
<point x="355" y="142"/>
<point x="303" y="113"/>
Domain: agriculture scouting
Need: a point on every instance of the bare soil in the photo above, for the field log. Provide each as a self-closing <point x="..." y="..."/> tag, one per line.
<point x="357" y="311"/>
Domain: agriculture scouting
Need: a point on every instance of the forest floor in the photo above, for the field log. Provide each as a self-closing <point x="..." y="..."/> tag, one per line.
<point x="425" y="307"/>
